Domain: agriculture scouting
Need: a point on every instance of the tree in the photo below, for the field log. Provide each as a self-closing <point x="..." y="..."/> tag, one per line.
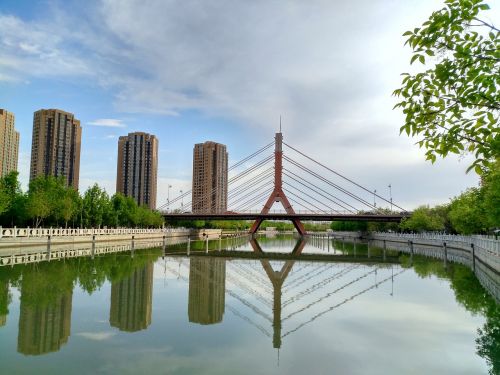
<point x="423" y="219"/>
<point x="467" y="212"/>
<point x="454" y="106"/>
<point x="9" y="190"/>
<point x="96" y="206"/>
<point x="68" y="205"/>
<point x="43" y="198"/>
<point x="491" y="197"/>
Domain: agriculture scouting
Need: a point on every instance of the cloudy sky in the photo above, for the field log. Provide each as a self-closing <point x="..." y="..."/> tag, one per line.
<point x="190" y="71"/>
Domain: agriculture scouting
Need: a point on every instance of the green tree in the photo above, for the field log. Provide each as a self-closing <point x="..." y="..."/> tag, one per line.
<point x="491" y="197"/>
<point x="68" y="205"/>
<point x="9" y="190"/>
<point x="43" y="198"/>
<point x="96" y="206"/>
<point x="453" y="107"/>
<point x="467" y="212"/>
<point x="423" y="219"/>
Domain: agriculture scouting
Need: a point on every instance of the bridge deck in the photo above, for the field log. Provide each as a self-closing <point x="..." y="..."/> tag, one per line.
<point x="283" y="216"/>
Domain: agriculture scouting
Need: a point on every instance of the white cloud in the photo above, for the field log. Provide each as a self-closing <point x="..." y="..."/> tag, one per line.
<point x="97" y="336"/>
<point x="108" y="122"/>
<point x="329" y="67"/>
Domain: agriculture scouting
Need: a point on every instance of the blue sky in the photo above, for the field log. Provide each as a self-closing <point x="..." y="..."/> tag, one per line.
<point x="193" y="71"/>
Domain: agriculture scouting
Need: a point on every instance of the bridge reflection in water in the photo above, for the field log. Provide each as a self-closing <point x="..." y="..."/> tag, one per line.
<point x="246" y="286"/>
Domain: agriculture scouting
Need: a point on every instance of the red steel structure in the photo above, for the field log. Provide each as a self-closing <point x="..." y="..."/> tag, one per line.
<point x="278" y="195"/>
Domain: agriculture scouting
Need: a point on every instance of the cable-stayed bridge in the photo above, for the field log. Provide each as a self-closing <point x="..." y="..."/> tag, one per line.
<point x="306" y="188"/>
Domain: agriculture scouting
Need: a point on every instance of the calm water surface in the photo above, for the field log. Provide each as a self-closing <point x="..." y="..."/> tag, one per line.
<point x="147" y="312"/>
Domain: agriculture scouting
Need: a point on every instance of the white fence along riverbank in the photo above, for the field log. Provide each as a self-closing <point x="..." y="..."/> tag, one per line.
<point x="21" y="237"/>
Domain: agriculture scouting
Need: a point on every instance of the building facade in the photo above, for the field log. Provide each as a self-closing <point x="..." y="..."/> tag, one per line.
<point x="209" y="194"/>
<point x="9" y="143"/>
<point x="137" y="167"/>
<point x="55" y="147"/>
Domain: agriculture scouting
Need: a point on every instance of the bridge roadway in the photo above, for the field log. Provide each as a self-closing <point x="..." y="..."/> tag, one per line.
<point x="284" y="216"/>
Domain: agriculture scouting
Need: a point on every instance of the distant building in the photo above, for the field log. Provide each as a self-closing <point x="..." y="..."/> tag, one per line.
<point x="209" y="194"/>
<point x="132" y="300"/>
<point x="55" y="148"/>
<point x="207" y="290"/>
<point x="9" y="143"/>
<point x="137" y="167"/>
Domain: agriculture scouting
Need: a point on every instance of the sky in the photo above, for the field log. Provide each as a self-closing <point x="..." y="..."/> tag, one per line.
<point x="191" y="71"/>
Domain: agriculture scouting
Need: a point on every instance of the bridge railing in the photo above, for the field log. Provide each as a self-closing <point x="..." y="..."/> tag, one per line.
<point x="62" y="232"/>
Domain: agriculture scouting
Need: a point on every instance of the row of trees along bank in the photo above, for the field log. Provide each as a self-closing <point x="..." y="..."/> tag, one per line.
<point x="48" y="202"/>
<point x="475" y="211"/>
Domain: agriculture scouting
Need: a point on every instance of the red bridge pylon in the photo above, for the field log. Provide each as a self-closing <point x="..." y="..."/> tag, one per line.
<point x="278" y="195"/>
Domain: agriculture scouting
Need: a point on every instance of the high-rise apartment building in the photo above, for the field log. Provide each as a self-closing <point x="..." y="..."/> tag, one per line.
<point x="9" y="143"/>
<point x="55" y="148"/>
<point x="137" y="167"/>
<point x="209" y="194"/>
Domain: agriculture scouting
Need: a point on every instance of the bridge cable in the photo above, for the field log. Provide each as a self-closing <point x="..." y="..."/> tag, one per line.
<point x="310" y="196"/>
<point x="254" y="200"/>
<point x="359" y="199"/>
<point x="345" y="178"/>
<point x="234" y="178"/>
<point x="304" y="200"/>
<point x="304" y="181"/>
<point x="230" y="168"/>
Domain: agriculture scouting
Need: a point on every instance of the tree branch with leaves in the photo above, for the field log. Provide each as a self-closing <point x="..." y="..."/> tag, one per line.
<point x="454" y="106"/>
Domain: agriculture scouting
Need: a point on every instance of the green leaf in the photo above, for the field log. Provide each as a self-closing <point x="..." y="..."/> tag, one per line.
<point x="422" y="59"/>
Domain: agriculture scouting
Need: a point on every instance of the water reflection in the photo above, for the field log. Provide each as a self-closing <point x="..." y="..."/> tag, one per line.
<point x="4" y="301"/>
<point x="44" y="328"/>
<point x="277" y="297"/>
<point x="45" y="309"/>
<point x="132" y="299"/>
<point x="207" y="290"/>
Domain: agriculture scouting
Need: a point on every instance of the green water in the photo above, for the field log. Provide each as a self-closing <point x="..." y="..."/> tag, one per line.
<point x="337" y="313"/>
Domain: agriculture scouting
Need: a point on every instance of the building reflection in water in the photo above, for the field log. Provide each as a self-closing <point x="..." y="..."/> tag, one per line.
<point x="44" y="327"/>
<point x="4" y="301"/>
<point x="131" y="300"/>
<point x="207" y="289"/>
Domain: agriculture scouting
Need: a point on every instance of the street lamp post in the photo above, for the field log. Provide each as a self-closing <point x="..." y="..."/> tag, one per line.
<point x="168" y="197"/>
<point x="390" y="195"/>
<point x="182" y="202"/>
<point x="374" y="193"/>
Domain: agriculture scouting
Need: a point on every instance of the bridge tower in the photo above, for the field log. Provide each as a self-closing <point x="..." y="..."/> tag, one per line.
<point x="278" y="195"/>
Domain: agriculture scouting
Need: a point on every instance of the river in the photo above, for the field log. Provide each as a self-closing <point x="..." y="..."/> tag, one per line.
<point x="248" y="308"/>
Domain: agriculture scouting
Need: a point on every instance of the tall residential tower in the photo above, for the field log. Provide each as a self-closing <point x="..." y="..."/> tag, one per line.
<point x="55" y="148"/>
<point x="209" y="178"/>
<point x="9" y="143"/>
<point x="137" y="167"/>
